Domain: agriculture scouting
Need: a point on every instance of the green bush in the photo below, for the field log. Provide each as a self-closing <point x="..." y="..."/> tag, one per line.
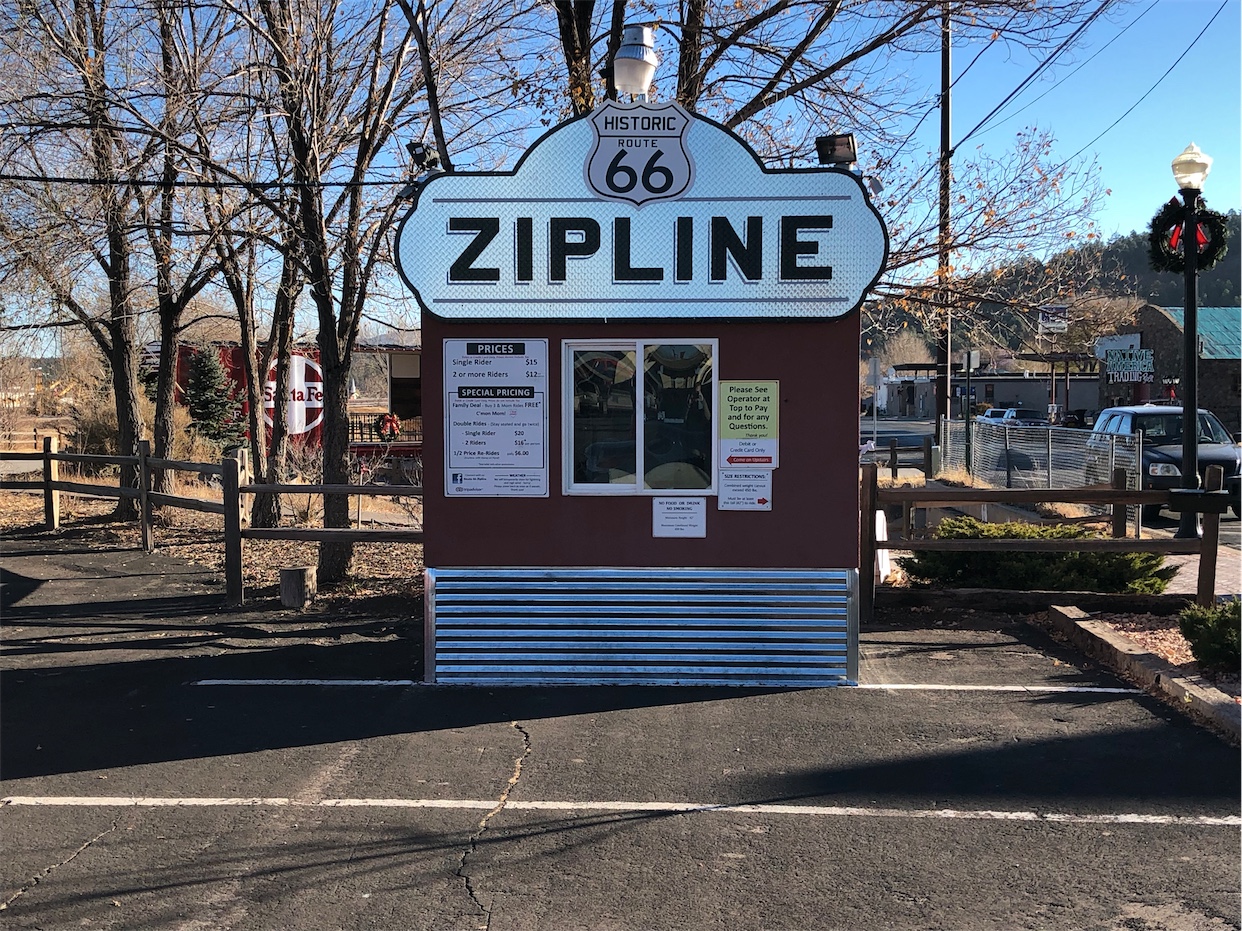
<point x="1138" y="573"/>
<point x="1213" y="634"/>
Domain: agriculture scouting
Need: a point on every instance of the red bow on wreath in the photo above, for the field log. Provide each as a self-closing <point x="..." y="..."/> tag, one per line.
<point x="1165" y="238"/>
<point x="1175" y="238"/>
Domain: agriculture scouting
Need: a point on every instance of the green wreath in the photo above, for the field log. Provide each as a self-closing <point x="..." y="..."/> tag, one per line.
<point x="1165" y="258"/>
<point x="388" y="426"/>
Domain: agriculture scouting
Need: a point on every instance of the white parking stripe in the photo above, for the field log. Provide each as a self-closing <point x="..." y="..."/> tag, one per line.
<point x="916" y="686"/>
<point x="820" y="811"/>
<point x="353" y="682"/>
<point x="998" y="688"/>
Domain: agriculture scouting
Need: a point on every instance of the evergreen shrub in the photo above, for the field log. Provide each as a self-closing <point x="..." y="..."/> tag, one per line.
<point x="1212" y="633"/>
<point x="1135" y="573"/>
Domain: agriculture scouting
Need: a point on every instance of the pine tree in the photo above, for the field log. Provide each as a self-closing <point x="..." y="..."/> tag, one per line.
<point x="209" y="396"/>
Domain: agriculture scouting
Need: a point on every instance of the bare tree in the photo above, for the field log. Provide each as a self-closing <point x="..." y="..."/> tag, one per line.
<point x="94" y="198"/>
<point x="781" y="73"/>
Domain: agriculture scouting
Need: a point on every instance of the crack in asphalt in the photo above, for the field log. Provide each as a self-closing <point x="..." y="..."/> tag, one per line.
<point x="47" y="872"/>
<point x="500" y="805"/>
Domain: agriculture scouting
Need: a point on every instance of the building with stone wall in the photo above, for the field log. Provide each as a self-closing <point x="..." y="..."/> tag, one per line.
<point x="1154" y="371"/>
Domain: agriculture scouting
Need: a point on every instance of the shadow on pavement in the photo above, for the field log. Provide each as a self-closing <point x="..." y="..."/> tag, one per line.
<point x="101" y="717"/>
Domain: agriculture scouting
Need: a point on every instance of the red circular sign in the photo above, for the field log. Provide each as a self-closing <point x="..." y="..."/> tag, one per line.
<point x="304" y="409"/>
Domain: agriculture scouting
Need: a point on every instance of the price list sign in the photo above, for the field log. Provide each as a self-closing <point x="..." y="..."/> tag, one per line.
<point x="496" y="418"/>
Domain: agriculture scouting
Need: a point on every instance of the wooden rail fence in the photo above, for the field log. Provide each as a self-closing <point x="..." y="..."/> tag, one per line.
<point x="233" y="473"/>
<point x="1211" y="503"/>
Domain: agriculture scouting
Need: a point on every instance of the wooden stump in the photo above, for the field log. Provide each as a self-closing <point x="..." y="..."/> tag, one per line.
<point x="297" y="586"/>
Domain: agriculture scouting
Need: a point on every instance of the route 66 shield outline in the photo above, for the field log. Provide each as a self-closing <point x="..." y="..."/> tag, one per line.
<point x="656" y="166"/>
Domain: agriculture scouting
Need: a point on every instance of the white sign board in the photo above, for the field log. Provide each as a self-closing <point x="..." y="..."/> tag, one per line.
<point x="641" y="211"/>
<point x="745" y="491"/>
<point x="679" y="517"/>
<point x="496" y="418"/>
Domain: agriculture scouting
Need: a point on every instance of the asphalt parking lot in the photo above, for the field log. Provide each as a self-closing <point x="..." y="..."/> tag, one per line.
<point x="160" y="771"/>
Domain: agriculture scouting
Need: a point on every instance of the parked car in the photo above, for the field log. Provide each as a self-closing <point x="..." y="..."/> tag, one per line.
<point x="1161" y="426"/>
<point x="1023" y="417"/>
<point x="992" y="415"/>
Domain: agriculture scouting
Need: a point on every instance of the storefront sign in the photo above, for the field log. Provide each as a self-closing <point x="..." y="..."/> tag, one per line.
<point x="1129" y="365"/>
<point x="745" y="491"/>
<point x="749" y="424"/>
<point x="641" y="211"/>
<point x="496" y="418"/>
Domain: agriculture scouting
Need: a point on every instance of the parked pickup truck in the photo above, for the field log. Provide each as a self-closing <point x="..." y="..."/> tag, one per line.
<point x="992" y="415"/>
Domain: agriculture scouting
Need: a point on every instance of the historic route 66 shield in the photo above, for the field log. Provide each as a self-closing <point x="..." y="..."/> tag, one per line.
<point x="639" y="153"/>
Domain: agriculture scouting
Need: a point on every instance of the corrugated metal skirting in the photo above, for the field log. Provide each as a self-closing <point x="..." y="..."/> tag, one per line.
<point x="590" y="626"/>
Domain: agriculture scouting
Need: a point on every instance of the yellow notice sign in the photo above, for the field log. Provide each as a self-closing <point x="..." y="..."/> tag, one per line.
<point x="749" y="424"/>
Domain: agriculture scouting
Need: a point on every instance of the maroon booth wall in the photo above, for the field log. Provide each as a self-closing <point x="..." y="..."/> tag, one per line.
<point x="814" y="518"/>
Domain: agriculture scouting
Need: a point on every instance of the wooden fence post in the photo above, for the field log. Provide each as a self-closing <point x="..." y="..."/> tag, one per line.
<point x="245" y="476"/>
<point x="1210" y="543"/>
<point x="51" y="473"/>
<point x="927" y="457"/>
<point x="892" y="457"/>
<point x="145" y="516"/>
<point x="866" y="542"/>
<point x="1119" y="510"/>
<point x="234" y="588"/>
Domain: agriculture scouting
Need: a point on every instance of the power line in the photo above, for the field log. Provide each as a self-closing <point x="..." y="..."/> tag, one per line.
<point x="1045" y="64"/>
<point x="1090" y="59"/>
<point x="1149" y="90"/>
<point x="935" y="106"/>
<point x="181" y="183"/>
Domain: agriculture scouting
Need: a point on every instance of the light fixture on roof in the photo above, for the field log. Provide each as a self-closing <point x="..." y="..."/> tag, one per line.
<point x="421" y="157"/>
<point x="634" y="66"/>
<point x="836" y="149"/>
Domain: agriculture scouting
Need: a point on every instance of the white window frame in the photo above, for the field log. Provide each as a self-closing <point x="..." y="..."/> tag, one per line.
<point x="639" y="346"/>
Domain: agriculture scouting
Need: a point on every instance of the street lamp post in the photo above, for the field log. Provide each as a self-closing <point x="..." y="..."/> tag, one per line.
<point x="1189" y="170"/>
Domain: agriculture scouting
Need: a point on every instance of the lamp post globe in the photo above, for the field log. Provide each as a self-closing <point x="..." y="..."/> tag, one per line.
<point x="1190" y="169"/>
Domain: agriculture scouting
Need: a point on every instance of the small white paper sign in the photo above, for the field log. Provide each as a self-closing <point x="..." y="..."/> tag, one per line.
<point x="679" y="517"/>
<point x="745" y="491"/>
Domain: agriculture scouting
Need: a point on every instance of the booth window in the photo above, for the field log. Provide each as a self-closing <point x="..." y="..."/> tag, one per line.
<point x="638" y="417"/>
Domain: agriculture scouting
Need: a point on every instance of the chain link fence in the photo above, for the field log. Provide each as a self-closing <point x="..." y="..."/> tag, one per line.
<point x="1038" y="457"/>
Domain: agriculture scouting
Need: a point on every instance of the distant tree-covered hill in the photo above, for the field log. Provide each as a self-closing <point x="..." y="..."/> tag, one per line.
<point x="1218" y="287"/>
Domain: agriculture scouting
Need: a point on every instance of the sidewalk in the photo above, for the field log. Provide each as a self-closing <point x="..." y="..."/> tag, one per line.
<point x="1228" y="573"/>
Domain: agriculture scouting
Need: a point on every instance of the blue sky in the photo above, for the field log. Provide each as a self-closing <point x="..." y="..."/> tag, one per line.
<point x="1120" y="62"/>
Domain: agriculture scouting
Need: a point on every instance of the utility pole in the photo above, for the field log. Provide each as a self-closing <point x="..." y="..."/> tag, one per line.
<point x="944" y="338"/>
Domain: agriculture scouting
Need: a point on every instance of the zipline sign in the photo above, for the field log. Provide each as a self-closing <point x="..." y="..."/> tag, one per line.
<point x="641" y="211"/>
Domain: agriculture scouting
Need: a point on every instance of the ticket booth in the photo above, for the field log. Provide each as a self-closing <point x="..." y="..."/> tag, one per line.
<point x="640" y="409"/>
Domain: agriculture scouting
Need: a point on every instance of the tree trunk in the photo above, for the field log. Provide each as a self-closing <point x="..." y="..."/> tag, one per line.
<point x="266" y="509"/>
<point x="128" y="417"/>
<point x="335" y="558"/>
<point x="165" y="400"/>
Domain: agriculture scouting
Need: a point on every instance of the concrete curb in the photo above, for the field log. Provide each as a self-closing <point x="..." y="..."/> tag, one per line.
<point x="1101" y="642"/>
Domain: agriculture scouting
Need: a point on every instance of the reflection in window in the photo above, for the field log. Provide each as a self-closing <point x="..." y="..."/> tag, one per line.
<point x="604" y="447"/>
<point x="677" y="416"/>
